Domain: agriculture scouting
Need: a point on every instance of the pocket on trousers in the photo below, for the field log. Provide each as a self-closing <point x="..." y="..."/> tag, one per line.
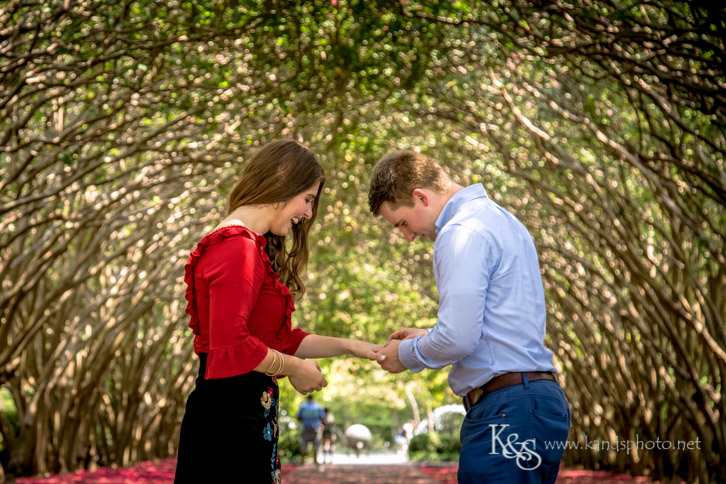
<point x="550" y="426"/>
<point x="476" y="429"/>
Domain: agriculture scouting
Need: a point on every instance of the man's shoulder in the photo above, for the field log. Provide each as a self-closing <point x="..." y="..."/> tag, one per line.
<point x="468" y="223"/>
<point x="481" y="216"/>
<point x="476" y="228"/>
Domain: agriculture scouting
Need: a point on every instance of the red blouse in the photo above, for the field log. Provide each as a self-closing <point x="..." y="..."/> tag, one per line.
<point x="238" y="307"/>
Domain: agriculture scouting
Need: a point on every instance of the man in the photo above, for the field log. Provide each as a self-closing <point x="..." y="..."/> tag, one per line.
<point x="311" y="415"/>
<point x="491" y="321"/>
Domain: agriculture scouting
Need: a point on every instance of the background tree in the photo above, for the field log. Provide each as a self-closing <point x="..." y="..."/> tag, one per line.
<point x="122" y="124"/>
<point x="604" y="124"/>
<point x="600" y="125"/>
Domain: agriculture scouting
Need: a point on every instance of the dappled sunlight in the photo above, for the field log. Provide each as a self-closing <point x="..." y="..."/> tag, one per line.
<point x="124" y="125"/>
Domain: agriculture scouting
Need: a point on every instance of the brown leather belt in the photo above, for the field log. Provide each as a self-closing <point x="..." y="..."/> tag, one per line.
<point x="503" y="381"/>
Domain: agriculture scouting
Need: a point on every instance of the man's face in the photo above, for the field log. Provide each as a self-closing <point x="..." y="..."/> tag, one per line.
<point x="416" y="221"/>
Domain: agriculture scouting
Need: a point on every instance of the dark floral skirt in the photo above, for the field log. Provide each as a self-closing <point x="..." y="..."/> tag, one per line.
<point x="229" y="432"/>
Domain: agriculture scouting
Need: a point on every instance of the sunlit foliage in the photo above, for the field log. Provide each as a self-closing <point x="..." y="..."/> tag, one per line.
<point x="123" y="125"/>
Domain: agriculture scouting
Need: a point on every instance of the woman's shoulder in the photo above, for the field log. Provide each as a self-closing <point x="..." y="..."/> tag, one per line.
<point x="218" y="252"/>
<point x="232" y="235"/>
<point x="223" y="242"/>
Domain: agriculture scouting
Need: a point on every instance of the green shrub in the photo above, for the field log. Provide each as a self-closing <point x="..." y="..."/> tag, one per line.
<point x="288" y="445"/>
<point x="434" y="447"/>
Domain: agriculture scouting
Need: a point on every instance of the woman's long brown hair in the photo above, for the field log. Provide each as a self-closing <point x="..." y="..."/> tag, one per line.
<point x="276" y="173"/>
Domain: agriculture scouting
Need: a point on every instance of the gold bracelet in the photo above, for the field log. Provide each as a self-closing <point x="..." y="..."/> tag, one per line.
<point x="279" y="357"/>
<point x="272" y="363"/>
<point x="282" y="363"/>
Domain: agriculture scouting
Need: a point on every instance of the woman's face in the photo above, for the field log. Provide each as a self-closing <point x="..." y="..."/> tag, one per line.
<point x="297" y="209"/>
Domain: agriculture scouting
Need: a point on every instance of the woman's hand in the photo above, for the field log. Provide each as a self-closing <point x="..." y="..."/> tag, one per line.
<point x="363" y="349"/>
<point x="306" y="377"/>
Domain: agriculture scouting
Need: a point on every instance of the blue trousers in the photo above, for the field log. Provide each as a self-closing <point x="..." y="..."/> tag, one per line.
<point x="515" y="435"/>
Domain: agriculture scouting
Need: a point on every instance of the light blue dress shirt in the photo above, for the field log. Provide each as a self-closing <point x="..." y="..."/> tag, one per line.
<point x="492" y="313"/>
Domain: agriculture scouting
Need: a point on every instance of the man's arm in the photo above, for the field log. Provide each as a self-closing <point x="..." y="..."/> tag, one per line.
<point x="463" y="262"/>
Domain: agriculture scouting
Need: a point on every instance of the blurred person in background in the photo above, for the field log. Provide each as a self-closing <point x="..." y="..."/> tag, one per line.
<point x="312" y="416"/>
<point x="328" y="436"/>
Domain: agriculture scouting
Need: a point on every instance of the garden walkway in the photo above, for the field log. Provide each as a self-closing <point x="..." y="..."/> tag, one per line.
<point x="369" y="473"/>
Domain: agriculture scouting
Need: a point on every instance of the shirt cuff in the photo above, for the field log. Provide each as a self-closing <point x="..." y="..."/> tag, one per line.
<point x="408" y="355"/>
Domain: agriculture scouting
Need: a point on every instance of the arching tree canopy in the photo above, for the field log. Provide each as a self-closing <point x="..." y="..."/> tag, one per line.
<point x="599" y="124"/>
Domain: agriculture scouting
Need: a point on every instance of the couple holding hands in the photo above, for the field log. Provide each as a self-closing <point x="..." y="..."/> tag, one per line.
<point x="243" y="277"/>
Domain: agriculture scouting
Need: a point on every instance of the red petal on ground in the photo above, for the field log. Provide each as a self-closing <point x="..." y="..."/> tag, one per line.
<point x="162" y="471"/>
<point x="447" y="475"/>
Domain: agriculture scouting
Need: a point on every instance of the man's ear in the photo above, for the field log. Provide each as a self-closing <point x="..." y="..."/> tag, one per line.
<point x="421" y="195"/>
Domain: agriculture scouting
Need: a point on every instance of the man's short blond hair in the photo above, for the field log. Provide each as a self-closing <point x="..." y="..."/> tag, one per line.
<point x="399" y="173"/>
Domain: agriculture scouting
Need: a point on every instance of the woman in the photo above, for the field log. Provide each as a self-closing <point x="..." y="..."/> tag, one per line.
<point x="241" y="280"/>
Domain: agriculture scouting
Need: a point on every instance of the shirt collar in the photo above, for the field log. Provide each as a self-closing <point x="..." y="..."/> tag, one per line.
<point x="461" y="197"/>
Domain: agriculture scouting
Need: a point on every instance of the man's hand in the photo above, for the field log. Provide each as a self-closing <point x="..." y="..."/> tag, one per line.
<point x="407" y="333"/>
<point x="388" y="357"/>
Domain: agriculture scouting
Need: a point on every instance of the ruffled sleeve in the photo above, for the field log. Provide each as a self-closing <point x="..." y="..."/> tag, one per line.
<point x="296" y="337"/>
<point x="189" y="296"/>
<point x="233" y="273"/>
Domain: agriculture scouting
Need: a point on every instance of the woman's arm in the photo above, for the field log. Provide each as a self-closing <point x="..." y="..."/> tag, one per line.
<point x="315" y="346"/>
